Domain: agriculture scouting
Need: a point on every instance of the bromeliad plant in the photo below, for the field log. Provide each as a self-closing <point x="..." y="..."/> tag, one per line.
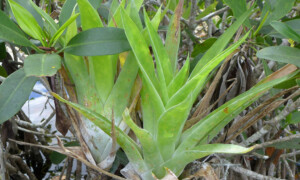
<point x="167" y="97"/>
<point x="89" y="57"/>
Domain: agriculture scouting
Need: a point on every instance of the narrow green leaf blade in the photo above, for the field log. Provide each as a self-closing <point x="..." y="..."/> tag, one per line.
<point x="179" y="161"/>
<point x="145" y="62"/>
<point x="10" y="32"/>
<point x="221" y="43"/>
<point x="59" y="32"/>
<point x="180" y="79"/>
<point x="66" y="11"/>
<point x="48" y="19"/>
<point x="26" y="21"/>
<point x="42" y="64"/>
<point x="120" y="94"/>
<point x="15" y="91"/>
<point x="286" y="31"/>
<point x="128" y="145"/>
<point x="283" y="54"/>
<point x="173" y="36"/>
<point x="193" y="84"/>
<point x="170" y="125"/>
<point x="163" y="64"/>
<point x="98" y="42"/>
<point x="89" y="16"/>
<point x="150" y="149"/>
<point x="211" y="125"/>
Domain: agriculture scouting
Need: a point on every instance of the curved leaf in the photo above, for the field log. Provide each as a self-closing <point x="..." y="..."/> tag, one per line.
<point x="26" y="21"/>
<point x="211" y="125"/>
<point x="128" y="145"/>
<point x="15" y="91"/>
<point x="283" y="54"/>
<point x="98" y="42"/>
<point x="286" y="31"/>
<point x="178" y="162"/>
<point x="10" y="32"/>
<point x="42" y="64"/>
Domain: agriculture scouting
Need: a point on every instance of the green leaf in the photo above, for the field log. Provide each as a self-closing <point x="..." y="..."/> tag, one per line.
<point x="127" y="144"/>
<point x="120" y="94"/>
<point x="210" y="126"/>
<point x="200" y="78"/>
<point x="173" y="36"/>
<point x="27" y="22"/>
<point x="98" y="42"/>
<point x="286" y="31"/>
<point x="203" y="47"/>
<point x="66" y="11"/>
<point x="27" y="5"/>
<point x="163" y="64"/>
<point x="277" y="8"/>
<point x="238" y="7"/>
<point x="10" y="32"/>
<point x="178" y="162"/>
<point x="89" y="16"/>
<point x="15" y="91"/>
<point x="48" y="19"/>
<point x="283" y="54"/>
<point x="145" y="62"/>
<point x="170" y="125"/>
<point x="150" y="149"/>
<point x="59" y="32"/>
<point x="180" y="79"/>
<point x="293" y="24"/>
<point x="42" y="64"/>
<point x="220" y="44"/>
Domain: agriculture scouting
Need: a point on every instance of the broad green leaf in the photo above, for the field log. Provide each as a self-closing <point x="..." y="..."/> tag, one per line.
<point x="170" y="126"/>
<point x="173" y="36"/>
<point x="293" y="24"/>
<point x="294" y="118"/>
<point x="286" y="31"/>
<point x="178" y="162"/>
<point x="179" y="80"/>
<point x="203" y="47"/>
<point x="277" y="8"/>
<point x="150" y="148"/>
<point x="42" y="64"/>
<point x="89" y="16"/>
<point x="15" y="91"/>
<point x="145" y="62"/>
<point x="59" y="32"/>
<point x="200" y="78"/>
<point x="120" y="94"/>
<point x="10" y="32"/>
<point x="238" y="7"/>
<point x="163" y="64"/>
<point x="210" y="126"/>
<point x="283" y="54"/>
<point x="133" y="152"/>
<point x="48" y="19"/>
<point x="27" y="22"/>
<point x="27" y="5"/>
<point x="66" y="11"/>
<point x="155" y="23"/>
<point x="220" y="44"/>
<point x="98" y="42"/>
